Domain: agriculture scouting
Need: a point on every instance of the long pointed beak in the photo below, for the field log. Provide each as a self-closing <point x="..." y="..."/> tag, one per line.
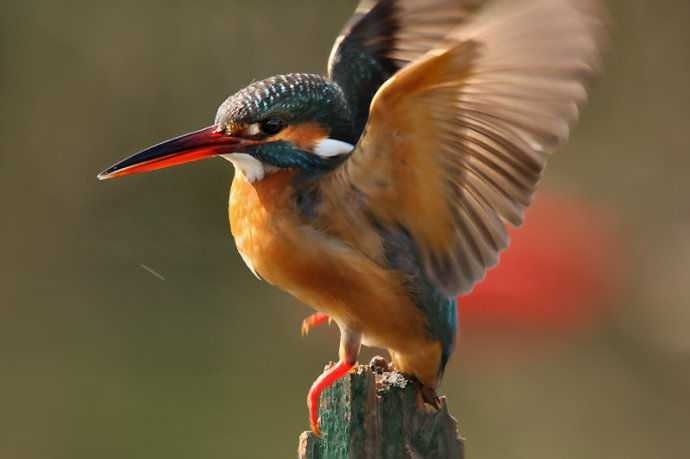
<point x="189" y="147"/>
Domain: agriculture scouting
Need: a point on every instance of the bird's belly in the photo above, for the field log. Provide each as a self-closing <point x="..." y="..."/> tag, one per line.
<point x="356" y="295"/>
<point x="334" y="278"/>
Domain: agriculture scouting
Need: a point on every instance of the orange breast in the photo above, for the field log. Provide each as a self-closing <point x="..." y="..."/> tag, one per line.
<point x="327" y="274"/>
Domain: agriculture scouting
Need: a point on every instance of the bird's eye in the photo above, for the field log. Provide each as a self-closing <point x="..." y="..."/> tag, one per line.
<point x="272" y="126"/>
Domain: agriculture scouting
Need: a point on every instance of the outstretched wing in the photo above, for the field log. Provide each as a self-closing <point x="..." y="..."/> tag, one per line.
<point x="456" y="142"/>
<point x="381" y="38"/>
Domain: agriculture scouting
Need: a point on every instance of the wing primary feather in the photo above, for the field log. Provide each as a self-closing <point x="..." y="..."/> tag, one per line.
<point x="470" y="101"/>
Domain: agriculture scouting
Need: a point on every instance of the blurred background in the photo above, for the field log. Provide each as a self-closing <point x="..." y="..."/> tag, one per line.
<point x="129" y="326"/>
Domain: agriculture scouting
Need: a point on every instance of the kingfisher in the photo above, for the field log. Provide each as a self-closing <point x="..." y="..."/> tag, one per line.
<point x="381" y="191"/>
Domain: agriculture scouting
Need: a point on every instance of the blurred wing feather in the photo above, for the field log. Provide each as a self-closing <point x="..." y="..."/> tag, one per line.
<point x="457" y="141"/>
<point x="381" y="38"/>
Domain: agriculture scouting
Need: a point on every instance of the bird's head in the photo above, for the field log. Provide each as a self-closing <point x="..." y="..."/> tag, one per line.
<point x="296" y="121"/>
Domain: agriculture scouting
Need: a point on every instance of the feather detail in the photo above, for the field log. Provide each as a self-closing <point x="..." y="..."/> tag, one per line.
<point x="384" y="36"/>
<point x="456" y="142"/>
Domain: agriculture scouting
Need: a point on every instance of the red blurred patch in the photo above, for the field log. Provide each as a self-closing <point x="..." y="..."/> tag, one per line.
<point x="557" y="275"/>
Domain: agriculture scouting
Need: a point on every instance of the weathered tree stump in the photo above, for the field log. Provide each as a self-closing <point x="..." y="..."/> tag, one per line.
<point x="374" y="414"/>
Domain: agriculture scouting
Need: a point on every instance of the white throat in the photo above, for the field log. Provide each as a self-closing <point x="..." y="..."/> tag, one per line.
<point x="254" y="170"/>
<point x="247" y="165"/>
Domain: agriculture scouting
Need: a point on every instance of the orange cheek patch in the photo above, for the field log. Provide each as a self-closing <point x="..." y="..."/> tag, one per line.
<point x="305" y="136"/>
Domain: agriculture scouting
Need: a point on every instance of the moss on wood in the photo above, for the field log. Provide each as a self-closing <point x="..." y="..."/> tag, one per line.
<point x="379" y="415"/>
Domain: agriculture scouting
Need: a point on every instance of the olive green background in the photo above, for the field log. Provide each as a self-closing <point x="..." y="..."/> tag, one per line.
<point x="101" y="359"/>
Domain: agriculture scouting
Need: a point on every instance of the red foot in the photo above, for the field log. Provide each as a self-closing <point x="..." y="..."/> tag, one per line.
<point x="327" y="378"/>
<point x="313" y="320"/>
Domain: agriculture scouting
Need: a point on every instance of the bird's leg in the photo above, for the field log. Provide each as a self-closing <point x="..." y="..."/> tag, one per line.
<point x="350" y="343"/>
<point x="313" y="320"/>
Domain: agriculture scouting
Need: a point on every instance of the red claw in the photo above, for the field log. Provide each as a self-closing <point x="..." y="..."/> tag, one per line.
<point x="327" y="378"/>
<point x="313" y="320"/>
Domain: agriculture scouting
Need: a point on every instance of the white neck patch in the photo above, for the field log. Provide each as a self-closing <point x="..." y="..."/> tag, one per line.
<point x="252" y="169"/>
<point x="328" y="148"/>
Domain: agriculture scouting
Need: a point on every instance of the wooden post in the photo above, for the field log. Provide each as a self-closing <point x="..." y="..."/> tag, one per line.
<point x="376" y="414"/>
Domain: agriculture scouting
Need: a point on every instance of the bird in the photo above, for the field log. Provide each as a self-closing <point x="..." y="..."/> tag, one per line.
<point x="381" y="191"/>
